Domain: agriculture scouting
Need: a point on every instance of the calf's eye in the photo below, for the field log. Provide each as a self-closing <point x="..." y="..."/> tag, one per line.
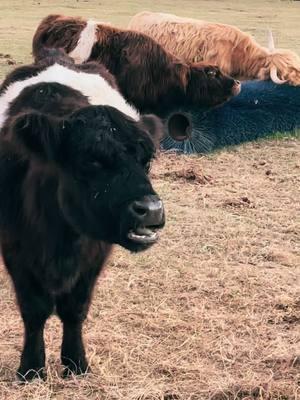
<point x="211" y="73"/>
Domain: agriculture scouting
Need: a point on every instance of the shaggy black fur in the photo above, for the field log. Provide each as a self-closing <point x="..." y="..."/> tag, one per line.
<point x="73" y="181"/>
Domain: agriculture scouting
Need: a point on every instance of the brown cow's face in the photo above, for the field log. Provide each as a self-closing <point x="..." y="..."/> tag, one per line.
<point x="100" y="158"/>
<point x="209" y="86"/>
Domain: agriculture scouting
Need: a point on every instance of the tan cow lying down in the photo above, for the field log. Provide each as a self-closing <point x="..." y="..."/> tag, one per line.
<point x="234" y="51"/>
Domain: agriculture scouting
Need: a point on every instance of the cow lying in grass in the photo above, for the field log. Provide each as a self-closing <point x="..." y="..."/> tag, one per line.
<point x="74" y="158"/>
<point x="149" y="77"/>
<point x="234" y="51"/>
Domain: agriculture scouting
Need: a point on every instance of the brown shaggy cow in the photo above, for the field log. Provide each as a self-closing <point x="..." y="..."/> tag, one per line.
<point x="234" y="51"/>
<point x="149" y="77"/>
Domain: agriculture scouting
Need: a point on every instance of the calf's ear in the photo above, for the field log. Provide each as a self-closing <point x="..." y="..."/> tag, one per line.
<point x="38" y="134"/>
<point x="51" y="54"/>
<point x="149" y="123"/>
<point x="154" y="126"/>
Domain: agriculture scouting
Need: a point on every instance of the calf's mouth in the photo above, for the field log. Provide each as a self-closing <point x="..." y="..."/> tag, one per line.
<point x="143" y="235"/>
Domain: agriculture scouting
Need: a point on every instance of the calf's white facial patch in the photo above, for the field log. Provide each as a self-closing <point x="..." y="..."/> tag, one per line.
<point x="93" y="86"/>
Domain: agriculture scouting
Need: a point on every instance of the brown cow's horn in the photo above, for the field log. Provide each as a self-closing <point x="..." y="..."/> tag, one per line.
<point x="271" y="44"/>
<point x="274" y="76"/>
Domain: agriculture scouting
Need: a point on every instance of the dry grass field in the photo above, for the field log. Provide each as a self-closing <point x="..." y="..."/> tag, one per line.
<point x="212" y="312"/>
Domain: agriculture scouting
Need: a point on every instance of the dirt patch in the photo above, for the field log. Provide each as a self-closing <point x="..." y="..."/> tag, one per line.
<point x="179" y="168"/>
<point x="189" y="174"/>
<point x="239" y="203"/>
<point x="8" y="59"/>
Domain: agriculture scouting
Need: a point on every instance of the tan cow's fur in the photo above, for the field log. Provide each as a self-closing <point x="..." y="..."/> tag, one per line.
<point x="234" y="51"/>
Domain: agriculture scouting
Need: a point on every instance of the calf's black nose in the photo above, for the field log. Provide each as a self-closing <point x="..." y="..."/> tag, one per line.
<point x="148" y="210"/>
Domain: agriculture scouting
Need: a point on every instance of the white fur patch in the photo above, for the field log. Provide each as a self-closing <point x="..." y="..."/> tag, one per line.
<point x="85" y="43"/>
<point x="93" y="86"/>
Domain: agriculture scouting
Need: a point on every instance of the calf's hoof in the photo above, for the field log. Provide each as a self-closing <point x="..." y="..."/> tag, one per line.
<point x="75" y="368"/>
<point x="27" y="375"/>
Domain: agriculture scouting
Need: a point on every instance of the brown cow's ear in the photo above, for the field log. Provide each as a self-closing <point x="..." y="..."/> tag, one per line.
<point x="154" y="126"/>
<point x="38" y="134"/>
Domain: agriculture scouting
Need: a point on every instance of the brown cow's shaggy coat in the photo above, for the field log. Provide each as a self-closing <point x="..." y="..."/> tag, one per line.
<point x="148" y="76"/>
<point x="234" y="51"/>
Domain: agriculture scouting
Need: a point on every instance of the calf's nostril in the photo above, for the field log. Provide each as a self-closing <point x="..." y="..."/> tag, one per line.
<point x="139" y="209"/>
